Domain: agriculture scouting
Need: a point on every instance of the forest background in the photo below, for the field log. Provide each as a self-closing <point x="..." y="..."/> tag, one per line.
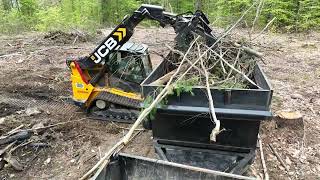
<point x="17" y="16"/>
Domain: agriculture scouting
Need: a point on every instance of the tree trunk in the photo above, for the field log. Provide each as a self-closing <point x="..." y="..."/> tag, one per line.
<point x="104" y="11"/>
<point x="296" y="14"/>
<point x="199" y="4"/>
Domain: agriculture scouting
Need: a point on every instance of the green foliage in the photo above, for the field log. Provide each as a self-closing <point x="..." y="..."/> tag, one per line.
<point x="80" y="14"/>
<point x="11" y="22"/>
<point x="51" y="19"/>
<point x="186" y="86"/>
<point x="19" y="19"/>
<point x="291" y="15"/>
<point x="26" y="15"/>
<point x="309" y="14"/>
<point x="113" y="11"/>
<point x="231" y="84"/>
<point x="181" y="86"/>
<point x="146" y="103"/>
<point x="227" y="12"/>
<point x="28" y="7"/>
<point x="283" y="11"/>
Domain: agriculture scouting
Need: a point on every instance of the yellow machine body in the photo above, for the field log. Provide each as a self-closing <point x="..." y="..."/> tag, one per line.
<point x="81" y="90"/>
<point x="84" y="93"/>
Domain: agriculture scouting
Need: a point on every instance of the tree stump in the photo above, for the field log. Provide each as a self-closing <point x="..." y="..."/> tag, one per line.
<point x="291" y="119"/>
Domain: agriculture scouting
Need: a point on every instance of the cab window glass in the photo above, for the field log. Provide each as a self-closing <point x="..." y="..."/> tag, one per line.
<point x="127" y="66"/>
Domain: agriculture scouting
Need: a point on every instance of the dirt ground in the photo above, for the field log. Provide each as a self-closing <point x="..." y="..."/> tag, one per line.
<point x="34" y="76"/>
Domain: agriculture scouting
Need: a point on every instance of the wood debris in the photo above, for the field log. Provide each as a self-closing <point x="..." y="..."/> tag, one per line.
<point x="278" y="157"/>
<point x="18" y="138"/>
<point x="263" y="161"/>
<point x="229" y="65"/>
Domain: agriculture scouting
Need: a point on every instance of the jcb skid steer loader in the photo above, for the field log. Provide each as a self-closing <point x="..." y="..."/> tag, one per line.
<point x="106" y="83"/>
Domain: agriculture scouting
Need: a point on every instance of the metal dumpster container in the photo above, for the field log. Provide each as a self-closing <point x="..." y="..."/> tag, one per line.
<point x="130" y="167"/>
<point x="185" y="119"/>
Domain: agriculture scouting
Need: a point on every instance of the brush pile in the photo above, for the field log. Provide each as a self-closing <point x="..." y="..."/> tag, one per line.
<point x="225" y="64"/>
<point x="229" y="65"/>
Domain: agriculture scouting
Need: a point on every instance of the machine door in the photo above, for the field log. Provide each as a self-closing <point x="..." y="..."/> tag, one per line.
<point x="126" y="70"/>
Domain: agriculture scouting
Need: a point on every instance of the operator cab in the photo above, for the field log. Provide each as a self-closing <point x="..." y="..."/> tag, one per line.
<point x="129" y="66"/>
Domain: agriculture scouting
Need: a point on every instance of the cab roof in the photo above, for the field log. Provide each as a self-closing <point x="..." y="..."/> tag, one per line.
<point x="134" y="47"/>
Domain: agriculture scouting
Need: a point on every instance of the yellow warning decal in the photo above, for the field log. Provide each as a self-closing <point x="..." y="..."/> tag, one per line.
<point x="120" y="33"/>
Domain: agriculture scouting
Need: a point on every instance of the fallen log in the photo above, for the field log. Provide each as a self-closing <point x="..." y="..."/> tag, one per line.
<point x="22" y="135"/>
<point x="15" y="130"/>
<point x="18" y="135"/>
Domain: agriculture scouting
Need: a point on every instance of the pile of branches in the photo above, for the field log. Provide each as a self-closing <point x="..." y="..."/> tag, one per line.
<point x="225" y="64"/>
<point x="62" y="37"/>
<point x="229" y="65"/>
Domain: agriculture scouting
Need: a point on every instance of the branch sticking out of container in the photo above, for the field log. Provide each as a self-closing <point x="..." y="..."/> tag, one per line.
<point x="216" y="130"/>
